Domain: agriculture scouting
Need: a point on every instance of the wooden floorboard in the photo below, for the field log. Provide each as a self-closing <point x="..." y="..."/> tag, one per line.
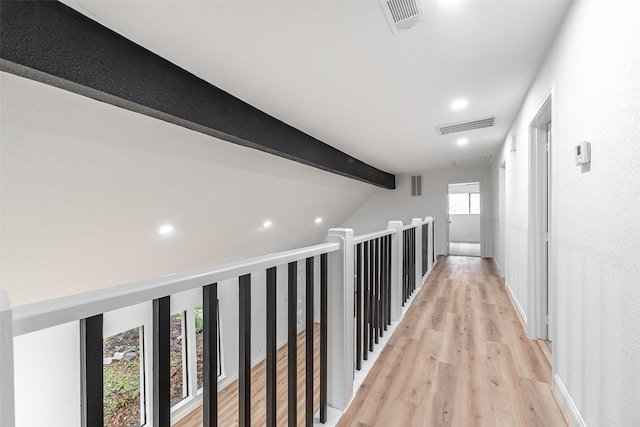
<point x="459" y="358"/>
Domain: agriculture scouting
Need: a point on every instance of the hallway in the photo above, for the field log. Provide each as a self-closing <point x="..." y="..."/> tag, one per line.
<point x="460" y="357"/>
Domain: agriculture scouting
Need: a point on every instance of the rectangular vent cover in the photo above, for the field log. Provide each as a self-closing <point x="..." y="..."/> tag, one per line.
<point x="401" y="14"/>
<point x="416" y="185"/>
<point x="465" y="126"/>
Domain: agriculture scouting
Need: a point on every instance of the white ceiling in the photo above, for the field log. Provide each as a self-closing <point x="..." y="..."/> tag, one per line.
<point x="334" y="69"/>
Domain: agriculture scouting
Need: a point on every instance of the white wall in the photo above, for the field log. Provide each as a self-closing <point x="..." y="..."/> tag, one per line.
<point x="85" y="186"/>
<point x="400" y="205"/>
<point x="593" y="68"/>
<point x="464" y="188"/>
<point x="53" y="354"/>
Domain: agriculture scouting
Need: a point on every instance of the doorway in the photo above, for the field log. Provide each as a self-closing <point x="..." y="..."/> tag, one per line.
<point x="541" y="137"/>
<point x="463" y="208"/>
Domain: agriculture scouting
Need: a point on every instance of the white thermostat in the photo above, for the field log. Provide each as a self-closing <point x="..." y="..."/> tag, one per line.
<point x="583" y="153"/>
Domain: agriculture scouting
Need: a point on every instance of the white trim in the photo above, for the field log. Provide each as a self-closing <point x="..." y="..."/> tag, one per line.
<point x="371" y="236"/>
<point x="41" y="315"/>
<point x="498" y="269"/>
<point x="410" y="226"/>
<point x="516" y="304"/>
<point x="566" y="403"/>
<point x="340" y="331"/>
<point x="418" y="251"/>
<point x="427" y="274"/>
<point x="396" y="270"/>
<point x="538" y="286"/>
<point x="7" y="398"/>
<point x="483" y="237"/>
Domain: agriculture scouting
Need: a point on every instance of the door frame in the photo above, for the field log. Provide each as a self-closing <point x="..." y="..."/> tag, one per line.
<point x="446" y="211"/>
<point x="502" y="244"/>
<point x="541" y="268"/>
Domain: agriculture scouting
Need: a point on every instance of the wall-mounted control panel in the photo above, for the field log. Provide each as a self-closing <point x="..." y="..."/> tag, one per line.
<point x="583" y="153"/>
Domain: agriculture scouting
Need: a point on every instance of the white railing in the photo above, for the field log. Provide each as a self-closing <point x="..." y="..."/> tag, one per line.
<point x="340" y="251"/>
<point x="41" y="315"/>
<point x="6" y="361"/>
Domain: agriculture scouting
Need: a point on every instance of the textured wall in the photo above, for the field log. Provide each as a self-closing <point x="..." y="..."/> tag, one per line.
<point x="594" y="64"/>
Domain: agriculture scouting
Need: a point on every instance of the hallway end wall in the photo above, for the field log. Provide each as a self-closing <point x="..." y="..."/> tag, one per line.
<point x="400" y="205"/>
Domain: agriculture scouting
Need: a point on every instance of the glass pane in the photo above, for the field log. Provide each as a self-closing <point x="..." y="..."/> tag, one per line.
<point x="199" y="344"/>
<point x="123" y="379"/>
<point x="178" y="352"/>
<point x="475" y="203"/>
<point x="459" y="204"/>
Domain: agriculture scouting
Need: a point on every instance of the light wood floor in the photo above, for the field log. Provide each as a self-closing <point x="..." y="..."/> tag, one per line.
<point x="228" y="397"/>
<point x="460" y="357"/>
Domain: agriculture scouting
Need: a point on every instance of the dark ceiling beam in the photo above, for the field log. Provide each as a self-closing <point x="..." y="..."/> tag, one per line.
<point x="52" y="43"/>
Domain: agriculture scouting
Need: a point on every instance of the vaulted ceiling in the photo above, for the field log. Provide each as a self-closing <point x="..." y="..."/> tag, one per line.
<point x="108" y="178"/>
<point x="336" y="71"/>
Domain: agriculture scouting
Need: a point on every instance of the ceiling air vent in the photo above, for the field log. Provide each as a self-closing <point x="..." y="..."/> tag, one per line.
<point x="401" y="14"/>
<point x="465" y="126"/>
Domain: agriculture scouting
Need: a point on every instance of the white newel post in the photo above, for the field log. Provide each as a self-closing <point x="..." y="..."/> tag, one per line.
<point x="340" y="300"/>
<point x="396" y="270"/>
<point x="7" y="403"/>
<point x="434" y="243"/>
<point x="430" y="248"/>
<point x="417" y="222"/>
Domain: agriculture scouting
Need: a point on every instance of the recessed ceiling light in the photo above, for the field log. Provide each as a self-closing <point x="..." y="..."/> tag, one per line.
<point x="459" y="104"/>
<point x="267" y="224"/>
<point x="318" y="220"/>
<point x="165" y="229"/>
<point x="463" y="141"/>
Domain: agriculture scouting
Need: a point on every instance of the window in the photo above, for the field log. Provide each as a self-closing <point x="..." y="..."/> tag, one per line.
<point x="459" y="204"/>
<point x="178" y="352"/>
<point x="464" y="204"/>
<point x="198" y="315"/>
<point x="123" y="374"/>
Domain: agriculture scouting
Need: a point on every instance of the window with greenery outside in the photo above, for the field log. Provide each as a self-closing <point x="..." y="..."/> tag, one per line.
<point x="178" y="352"/>
<point x="199" y="323"/>
<point x="123" y="376"/>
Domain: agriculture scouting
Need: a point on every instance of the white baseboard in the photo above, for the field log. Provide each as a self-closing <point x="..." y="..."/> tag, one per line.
<point x="498" y="269"/>
<point x="427" y="274"/>
<point x="516" y="304"/>
<point x="569" y="408"/>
